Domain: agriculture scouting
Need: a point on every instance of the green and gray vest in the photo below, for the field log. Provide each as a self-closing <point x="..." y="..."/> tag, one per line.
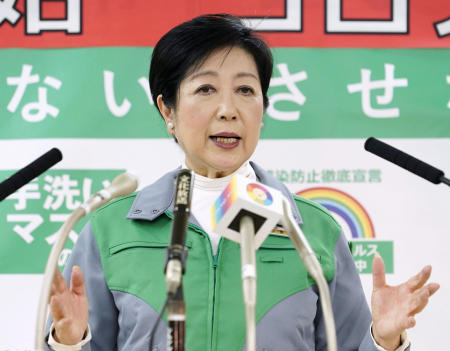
<point x="122" y="253"/>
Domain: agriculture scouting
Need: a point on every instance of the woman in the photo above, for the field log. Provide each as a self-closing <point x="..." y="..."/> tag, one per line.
<point x="209" y="78"/>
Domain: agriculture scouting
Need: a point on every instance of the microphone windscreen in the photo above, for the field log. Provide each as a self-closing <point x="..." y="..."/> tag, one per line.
<point x="28" y="173"/>
<point x="404" y="160"/>
<point x="245" y="197"/>
<point x="184" y="184"/>
<point x="124" y="184"/>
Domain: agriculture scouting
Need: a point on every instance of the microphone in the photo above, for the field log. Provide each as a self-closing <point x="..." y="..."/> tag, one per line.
<point x="405" y="161"/>
<point x="177" y="252"/>
<point x="122" y="185"/>
<point x="28" y="173"/>
<point x="176" y="263"/>
<point x="314" y="268"/>
<point x="246" y="212"/>
<point x="244" y="197"/>
<point x="246" y="207"/>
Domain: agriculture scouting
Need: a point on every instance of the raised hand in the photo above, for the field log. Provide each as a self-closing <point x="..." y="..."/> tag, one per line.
<point x="394" y="307"/>
<point x="69" y="307"/>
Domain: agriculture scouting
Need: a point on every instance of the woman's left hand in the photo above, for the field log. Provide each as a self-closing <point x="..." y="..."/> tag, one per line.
<point x="394" y="307"/>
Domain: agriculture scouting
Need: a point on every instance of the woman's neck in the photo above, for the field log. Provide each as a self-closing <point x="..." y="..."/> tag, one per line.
<point x="203" y="182"/>
<point x="212" y="173"/>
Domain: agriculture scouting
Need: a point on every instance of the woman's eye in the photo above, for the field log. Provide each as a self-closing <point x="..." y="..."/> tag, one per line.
<point x="246" y="90"/>
<point x="205" y="89"/>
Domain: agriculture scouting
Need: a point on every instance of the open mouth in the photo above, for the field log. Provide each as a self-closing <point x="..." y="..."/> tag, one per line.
<point x="225" y="140"/>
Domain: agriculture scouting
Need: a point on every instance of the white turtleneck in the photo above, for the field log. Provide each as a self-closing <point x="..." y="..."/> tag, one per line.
<point x="206" y="191"/>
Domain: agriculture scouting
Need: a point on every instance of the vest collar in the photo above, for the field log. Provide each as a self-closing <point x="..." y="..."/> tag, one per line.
<point x="156" y="198"/>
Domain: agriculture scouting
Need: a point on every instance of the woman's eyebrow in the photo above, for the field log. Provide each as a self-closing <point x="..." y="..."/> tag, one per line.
<point x="246" y="74"/>
<point x="215" y="74"/>
<point x="202" y="73"/>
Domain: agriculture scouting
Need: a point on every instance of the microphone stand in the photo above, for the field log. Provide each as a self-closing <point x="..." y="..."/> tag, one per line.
<point x="307" y="255"/>
<point x="176" y="308"/>
<point x="248" y="274"/>
<point x="231" y="210"/>
<point x="176" y="318"/>
<point x="175" y="265"/>
<point x="311" y="263"/>
<point x="52" y="265"/>
<point x="122" y="185"/>
<point x="445" y="180"/>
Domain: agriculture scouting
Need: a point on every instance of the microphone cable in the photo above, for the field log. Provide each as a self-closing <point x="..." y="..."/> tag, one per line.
<point x="155" y="326"/>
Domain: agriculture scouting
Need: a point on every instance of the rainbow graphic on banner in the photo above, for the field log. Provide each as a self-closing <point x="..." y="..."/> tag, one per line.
<point x="223" y="202"/>
<point x="345" y="206"/>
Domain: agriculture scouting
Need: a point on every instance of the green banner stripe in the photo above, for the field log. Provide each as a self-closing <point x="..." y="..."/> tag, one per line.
<point x="31" y="217"/>
<point x="363" y="252"/>
<point x="63" y="95"/>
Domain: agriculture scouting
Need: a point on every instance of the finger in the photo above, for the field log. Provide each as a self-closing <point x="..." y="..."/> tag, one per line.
<point x="77" y="281"/>
<point x="53" y="289"/>
<point x="379" y="272"/>
<point x="433" y="287"/>
<point x="56" y="308"/>
<point x="409" y="323"/>
<point x="59" y="283"/>
<point x="422" y="296"/>
<point x="419" y="279"/>
<point x="53" y="292"/>
<point x="420" y="300"/>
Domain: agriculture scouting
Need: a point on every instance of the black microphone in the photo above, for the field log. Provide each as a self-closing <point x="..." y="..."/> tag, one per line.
<point x="28" y="173"/>
<point x="176" y="262"/>
<point x="405" y="161"/>
<point x="176" y="252"/>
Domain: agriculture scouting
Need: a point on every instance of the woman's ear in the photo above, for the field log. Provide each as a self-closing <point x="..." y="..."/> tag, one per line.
<point x="167" y="114"/>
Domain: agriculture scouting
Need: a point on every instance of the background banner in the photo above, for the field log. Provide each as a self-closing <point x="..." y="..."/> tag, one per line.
<point x="74" y="75"/>
<point x="285" y="23"/>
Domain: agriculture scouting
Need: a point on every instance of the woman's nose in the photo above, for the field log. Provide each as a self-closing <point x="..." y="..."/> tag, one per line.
<point x="227" y="108"/>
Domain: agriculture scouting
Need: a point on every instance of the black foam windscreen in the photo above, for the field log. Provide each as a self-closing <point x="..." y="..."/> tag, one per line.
<point x="404" y="160"/>
<point x="28" y="173"/>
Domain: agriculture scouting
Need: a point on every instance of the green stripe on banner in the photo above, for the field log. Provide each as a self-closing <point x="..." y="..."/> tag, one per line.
<point x="318" y="93"/>
<point x="31" y="217"/>
<point x="363" y="252"/>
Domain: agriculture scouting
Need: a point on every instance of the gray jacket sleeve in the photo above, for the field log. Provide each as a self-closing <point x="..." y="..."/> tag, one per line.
<point x="103" y="314"/>
<point x="351" y="311"/>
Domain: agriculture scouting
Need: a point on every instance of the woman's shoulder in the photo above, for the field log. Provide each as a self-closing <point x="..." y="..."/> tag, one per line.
<point x="310" y="208"/>
<point x="157" y="194"/>
<point x="117" y="205"/>
<point x="319" y="227"/>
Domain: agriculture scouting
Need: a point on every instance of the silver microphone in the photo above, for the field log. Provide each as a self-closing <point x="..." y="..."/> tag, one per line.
<point x="246" y="212"/>
<point x="123" y="184"/>
<point x="314" y="268"/>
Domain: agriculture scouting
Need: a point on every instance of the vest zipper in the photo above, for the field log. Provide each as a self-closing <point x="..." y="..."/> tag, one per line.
<point x="215" y="263"/>
<point x="215" y="259"/>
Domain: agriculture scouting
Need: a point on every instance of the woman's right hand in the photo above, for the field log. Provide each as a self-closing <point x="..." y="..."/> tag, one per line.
<point x="69" y="307"/>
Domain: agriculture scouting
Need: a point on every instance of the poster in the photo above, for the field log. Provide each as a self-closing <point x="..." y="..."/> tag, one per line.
<point x="74" y="75"/>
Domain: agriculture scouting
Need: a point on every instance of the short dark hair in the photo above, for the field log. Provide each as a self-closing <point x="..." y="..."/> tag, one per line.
<point x="189" y="44"/>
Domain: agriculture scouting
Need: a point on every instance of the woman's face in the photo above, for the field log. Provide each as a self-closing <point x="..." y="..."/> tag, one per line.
<point x="217" y="120"/>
